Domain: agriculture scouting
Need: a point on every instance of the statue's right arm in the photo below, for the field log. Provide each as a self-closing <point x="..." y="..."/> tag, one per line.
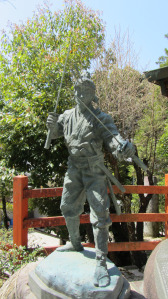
<point x="54" y="124"/>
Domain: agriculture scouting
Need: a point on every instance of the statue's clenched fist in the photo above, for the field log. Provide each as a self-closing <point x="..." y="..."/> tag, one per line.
<point x="52" y="120"/>
<point x="126" y="150"/>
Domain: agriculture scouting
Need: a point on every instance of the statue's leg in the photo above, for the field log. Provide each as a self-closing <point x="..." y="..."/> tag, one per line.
<point x="74" y="235"/>
<point x="101" y="275"/>
<point x="72" y="202"/>
<point x="96" y="186"/>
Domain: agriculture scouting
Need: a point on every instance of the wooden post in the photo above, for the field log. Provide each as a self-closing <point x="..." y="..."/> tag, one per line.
<point x="166" y="206"/>
<point x="20" y="210"/>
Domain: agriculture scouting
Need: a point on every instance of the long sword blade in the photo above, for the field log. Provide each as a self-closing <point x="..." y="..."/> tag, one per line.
<point x="135" y="158"/>
<point x="58" y="96"/>
<point x="49" y="134"/>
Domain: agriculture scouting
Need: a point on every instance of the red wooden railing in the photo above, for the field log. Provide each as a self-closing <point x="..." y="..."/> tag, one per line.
<point x="21" y="222"/>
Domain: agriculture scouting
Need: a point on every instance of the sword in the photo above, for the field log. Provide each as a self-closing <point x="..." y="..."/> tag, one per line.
<point x="49" y="134"/>
<point x="116" y="206"/>
<point x="134" y="157"/>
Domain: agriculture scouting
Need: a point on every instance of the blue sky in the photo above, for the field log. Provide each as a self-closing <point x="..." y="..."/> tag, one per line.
<point x="146" y="21"/>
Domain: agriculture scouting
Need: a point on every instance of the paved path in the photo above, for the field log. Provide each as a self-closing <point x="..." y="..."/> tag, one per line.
<point x="36" y="238"/>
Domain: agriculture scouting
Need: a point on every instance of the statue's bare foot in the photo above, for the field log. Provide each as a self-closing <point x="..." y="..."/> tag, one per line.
<point x="70" y="247"/>
<point x="101" y="276"/>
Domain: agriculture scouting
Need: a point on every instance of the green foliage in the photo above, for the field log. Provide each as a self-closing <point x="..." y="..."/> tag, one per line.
<point x="163" y="60"/>
<point x="162" y="149"/>
<point x="6" y="184"/>
<point x="6" y="179"/>
<point x="13" y="257"/>
<point x="150" y="128"/>
<point x="138" y="110"/>
<point x="32" y="60"/>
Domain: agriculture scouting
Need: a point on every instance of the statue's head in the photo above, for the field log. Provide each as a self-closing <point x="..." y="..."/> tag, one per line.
<point x="85" y="88"/>
<point x="85" y="80"/>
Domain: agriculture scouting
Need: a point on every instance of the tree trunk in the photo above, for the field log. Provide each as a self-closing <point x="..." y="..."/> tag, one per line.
<point x="151" y="229"/>
<point x="144" y="200"/>
<point x="137" y="258"/>
<point x="5" y="216"/>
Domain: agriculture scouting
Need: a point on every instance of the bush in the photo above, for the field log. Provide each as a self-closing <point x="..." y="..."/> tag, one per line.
<point x="14" y="257"/>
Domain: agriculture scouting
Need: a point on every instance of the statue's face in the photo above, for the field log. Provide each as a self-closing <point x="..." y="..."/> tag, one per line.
<point x="85" y="91"/>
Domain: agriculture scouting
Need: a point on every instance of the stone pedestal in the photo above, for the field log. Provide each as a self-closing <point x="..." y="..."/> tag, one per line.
<point x="70" y="275"/>
<point x="156" y="273"/>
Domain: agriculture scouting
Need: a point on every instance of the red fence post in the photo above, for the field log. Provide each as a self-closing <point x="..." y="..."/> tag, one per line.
<point x="20" y="210"/>
<point x="166" y="206"/>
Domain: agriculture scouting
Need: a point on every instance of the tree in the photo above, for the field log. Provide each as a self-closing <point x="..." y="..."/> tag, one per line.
<point x="163" y="141"/>
<point x="162" y="151"/>
<point x="6" y="183"/>
<point x="163" y="60"/>
<point x="151" y="128"/>
<point x="32" y="60"/>
<point x="138" y="110"/>
<point x="120" y="88"/>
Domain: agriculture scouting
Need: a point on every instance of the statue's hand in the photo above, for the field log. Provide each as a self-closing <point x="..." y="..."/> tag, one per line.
<point x="52" y="120"/>
<point x="126" y="150"/>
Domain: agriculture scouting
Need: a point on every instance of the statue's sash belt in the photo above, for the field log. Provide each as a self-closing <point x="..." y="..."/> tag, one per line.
<point x="98" y="160"/>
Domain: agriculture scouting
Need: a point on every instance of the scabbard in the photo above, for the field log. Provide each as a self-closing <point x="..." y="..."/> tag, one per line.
<point x="116" y="206"/>
<point x="111" y="177"/>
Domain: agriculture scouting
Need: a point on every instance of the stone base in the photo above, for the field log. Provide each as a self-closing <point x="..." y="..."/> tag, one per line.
<point x="156" y="273"/>
<point x="17" y="286"/>
<point x="70" y="275"/>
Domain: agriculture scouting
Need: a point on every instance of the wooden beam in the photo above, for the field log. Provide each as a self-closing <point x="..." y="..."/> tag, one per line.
<point x="53" y="192"/>
<point x="121" y="246"/>
<point x="132" y="246"/>
<point x="85" y="218"/>
<point x="43" y="192"/>
<point x="140" y="189"/>
<point x="51" y="221"/>
<point x="141" y="217"/>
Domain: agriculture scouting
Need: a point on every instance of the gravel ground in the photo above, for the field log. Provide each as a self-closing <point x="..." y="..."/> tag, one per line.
<point x="36" y="238"/>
